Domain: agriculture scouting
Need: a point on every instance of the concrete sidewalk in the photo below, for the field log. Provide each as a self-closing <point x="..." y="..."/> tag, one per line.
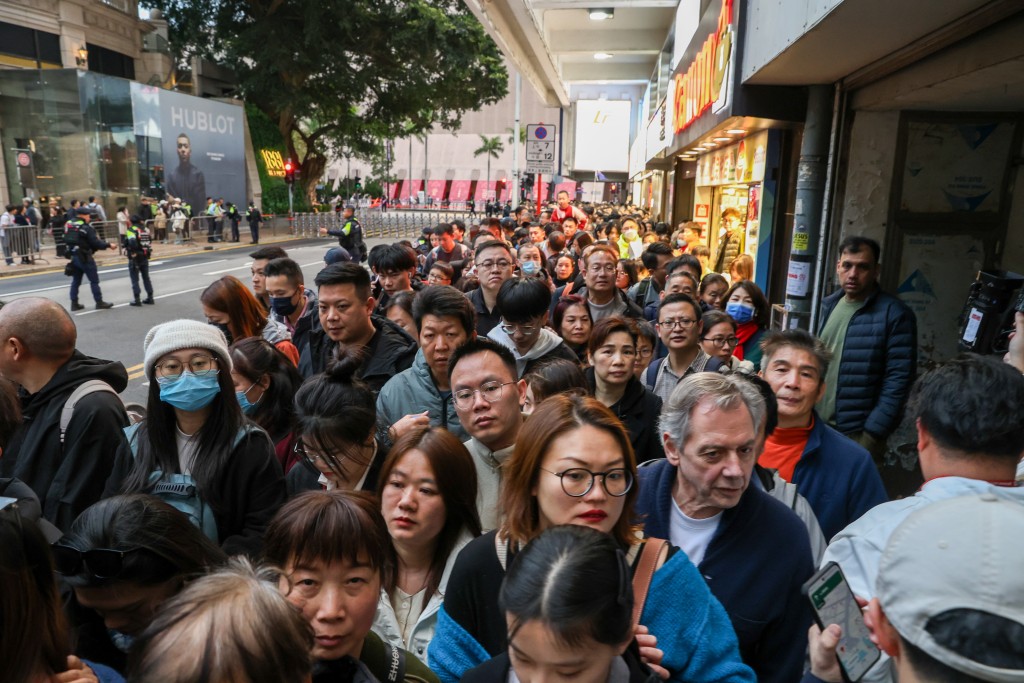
<point x="47" y="261"/>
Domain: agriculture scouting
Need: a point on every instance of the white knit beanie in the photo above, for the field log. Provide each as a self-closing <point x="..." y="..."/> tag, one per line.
<point x="185" y="334"/>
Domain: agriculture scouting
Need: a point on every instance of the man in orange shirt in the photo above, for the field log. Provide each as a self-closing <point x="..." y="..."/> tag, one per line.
<point x="834" y="473"/>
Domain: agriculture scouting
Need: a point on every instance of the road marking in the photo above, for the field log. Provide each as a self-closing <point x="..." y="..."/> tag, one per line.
<point x="162" y="296"/>
<point x="194" y="265"/>
<point x="136" y="375"/>
<point x="314" y="263"/>
<point x="33" y="291"/>
<point x="228" y="270"/>
<point x="135" y="367"/>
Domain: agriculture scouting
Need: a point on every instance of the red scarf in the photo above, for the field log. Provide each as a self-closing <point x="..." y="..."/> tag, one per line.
<point x="743" y="333"/>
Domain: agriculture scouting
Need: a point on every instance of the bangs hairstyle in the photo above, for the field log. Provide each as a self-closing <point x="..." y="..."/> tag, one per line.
<point x="556" y="416"/>
<point x="606" y="327"/>
<point x="246" y="316"/>
<point x="330" y="526"/>
<point x="575" y="581"/>
<point x="455" y="477"/>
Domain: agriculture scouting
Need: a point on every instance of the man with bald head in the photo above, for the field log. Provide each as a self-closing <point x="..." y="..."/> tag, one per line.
<point x="37" y="353"/>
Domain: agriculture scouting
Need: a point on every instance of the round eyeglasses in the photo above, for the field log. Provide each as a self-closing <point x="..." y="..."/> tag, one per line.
<point x="577" y="481"/>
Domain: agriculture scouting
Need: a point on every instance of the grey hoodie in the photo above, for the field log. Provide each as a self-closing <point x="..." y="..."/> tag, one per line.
<point x="549" y="345"/>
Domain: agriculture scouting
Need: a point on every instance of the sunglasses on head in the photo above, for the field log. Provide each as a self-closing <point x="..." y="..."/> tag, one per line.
<point x="102" y="563"/>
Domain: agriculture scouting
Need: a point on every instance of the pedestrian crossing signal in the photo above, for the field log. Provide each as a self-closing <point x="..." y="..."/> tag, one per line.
<point x="289" y="172"/>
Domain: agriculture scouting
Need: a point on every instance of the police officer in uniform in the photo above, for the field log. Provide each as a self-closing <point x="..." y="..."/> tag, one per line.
<point x="350" y="239"/>
<point x="82" y="242"/>
<point x="139" y="245"/>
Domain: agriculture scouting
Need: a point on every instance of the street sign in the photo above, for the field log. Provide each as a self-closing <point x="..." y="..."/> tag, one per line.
<point x="541" y="148"/>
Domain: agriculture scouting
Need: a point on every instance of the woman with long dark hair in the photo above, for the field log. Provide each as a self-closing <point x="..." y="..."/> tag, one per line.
<point x="339" y="443"/>
<point x="195" y="434"/>
<point x="573" y="464"/>
<point x="122" y="558"/>
<point x="265" y="385"/>
<point x="230" y="307"/>
<point x="427" y="490"/>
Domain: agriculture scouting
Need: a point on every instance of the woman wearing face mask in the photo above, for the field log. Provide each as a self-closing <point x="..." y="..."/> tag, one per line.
<point x="571" y="320"/>
<point x="628" y="241"/>
<point x="332" y="548"/>
<point x="747" y="305"/>
<point x="568" y="601"/>
<point x="340" y="445"/>
<point x="611" y="381"/>
<point x="230" y="307"/>
<point x="573" y="464"/>
<point x="265" y="385"/>
<point x="122" y="558"/>
<point x="427" y="494"/>
<point x="195" y="434"/>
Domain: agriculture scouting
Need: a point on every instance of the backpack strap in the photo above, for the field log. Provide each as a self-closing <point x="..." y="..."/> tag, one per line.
<point x="651" y="374"/>
<point x="650" y="560"/>
<point x="395" y="659"/>
<point x="81" y="391"/>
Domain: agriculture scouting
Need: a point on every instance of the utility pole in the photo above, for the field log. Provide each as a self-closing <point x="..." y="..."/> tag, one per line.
<point x="515" y="139"/>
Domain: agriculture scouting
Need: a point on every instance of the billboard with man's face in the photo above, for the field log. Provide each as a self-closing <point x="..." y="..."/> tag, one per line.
<point x="203" y="145"/>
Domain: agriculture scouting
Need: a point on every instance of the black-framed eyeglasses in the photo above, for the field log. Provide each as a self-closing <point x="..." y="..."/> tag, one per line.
<point x="722" y="341"/>
<point x="332" y="461"/>
<point x="673" y="323"/>
<point x="490" y="391"/>
<point x="103" y="563"/>
<point x="512" y="328"/>
<point x="577" y="481"/>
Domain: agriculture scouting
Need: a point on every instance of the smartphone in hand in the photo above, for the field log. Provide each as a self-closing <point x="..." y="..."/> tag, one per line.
<point x="833" y="603"/>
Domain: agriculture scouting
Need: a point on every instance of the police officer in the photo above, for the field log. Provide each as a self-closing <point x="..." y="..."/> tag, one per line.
<point x="81" y="241"/>
<point x="350" y="237"/>
<point x="139" y="245"/>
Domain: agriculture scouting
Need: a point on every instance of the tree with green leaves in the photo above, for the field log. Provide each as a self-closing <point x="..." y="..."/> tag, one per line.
<point x="335" y="74"/>
<point x="492" y="147"/>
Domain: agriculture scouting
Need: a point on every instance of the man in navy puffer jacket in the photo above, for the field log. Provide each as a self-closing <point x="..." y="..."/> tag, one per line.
<point x="873" y="339"/>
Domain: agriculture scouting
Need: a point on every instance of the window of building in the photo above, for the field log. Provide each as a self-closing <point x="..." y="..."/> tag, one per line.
<point x="37" y="47"/>
<point x="111" y="63"/>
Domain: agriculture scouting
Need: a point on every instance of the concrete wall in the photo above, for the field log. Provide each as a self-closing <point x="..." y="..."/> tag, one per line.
<point x="864" y="208"/>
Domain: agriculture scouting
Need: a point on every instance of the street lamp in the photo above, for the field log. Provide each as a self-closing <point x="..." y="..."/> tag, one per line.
<point x="82" y="57"/>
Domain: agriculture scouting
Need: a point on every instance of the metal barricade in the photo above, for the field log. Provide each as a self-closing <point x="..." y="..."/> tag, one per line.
<point x="22" y="243"/>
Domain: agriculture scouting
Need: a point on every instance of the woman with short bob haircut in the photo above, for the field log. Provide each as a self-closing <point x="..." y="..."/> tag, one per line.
<point x="428" y="489"/>
<point x="235" y="626"/>
<point x="568" y="601"/>
<point x="123" y="557"/>
<point x="554" y="376"/>
<point x="334" y="553"/>
<point x="573" y="464"/>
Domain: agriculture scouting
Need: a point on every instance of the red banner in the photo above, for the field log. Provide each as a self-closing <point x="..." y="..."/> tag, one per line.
<point x="459" y="191"/>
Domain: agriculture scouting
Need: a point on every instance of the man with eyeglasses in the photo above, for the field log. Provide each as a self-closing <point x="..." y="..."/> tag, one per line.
<point x="494" y="265"/>
<point x="523" y="305"/>
<point x="753" y="551"/>
<point x="488" y="399"/>
<point x="679" y="328"/>
<point x="604" y="299"/>
<point x="71" y="468"/>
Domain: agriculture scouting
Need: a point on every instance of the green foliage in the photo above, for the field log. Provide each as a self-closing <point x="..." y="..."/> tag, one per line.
<point x="266" y="136"/>
<point x="333" y="74"/>
<point x="490" y="146"/>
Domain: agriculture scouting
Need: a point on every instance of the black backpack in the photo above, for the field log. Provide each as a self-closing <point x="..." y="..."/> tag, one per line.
<point x="73" y="237"/>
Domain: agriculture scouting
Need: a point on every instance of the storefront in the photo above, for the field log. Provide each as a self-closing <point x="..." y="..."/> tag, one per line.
<point x="70" y="133"/>
<point x="734" y="146"/>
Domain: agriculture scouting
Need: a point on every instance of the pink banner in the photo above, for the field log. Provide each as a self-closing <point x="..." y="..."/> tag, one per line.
<point x="410" y="188"/>
<point x="459" y="191"/>
<point x="395" y="189"/>
<point x="435" y="189"/>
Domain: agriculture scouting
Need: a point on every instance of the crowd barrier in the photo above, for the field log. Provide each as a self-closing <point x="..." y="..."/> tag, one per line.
<point x="390" y="224"/>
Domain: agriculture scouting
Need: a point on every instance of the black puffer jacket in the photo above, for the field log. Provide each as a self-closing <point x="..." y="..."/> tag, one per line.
<point x="390" y="351"/>
<point x="95" y="457"/>
<point x="638" y="409"/>
<point x="878" y="364"/>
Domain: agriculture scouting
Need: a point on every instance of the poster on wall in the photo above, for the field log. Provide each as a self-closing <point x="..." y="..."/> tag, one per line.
<point x="953" y="167"/>
<point x="935" y="276"/>
<point x="204" y="149"/>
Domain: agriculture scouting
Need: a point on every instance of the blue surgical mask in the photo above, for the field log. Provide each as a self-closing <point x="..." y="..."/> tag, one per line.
<point x="529" y="267"/>
<point x="243" y="400"/>
<point x="741" y="313"/>
<point x="282" y="305"/>
<point x="190" y="392"/>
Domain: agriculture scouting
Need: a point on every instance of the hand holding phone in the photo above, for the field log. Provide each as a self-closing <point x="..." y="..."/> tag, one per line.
<point x="834" y="603"/>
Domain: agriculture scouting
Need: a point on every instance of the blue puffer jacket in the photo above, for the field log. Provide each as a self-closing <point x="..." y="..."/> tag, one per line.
<point x="878" y="364"/>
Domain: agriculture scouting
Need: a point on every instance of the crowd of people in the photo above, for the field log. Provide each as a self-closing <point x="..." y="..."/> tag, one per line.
<point x="562" y="446"/>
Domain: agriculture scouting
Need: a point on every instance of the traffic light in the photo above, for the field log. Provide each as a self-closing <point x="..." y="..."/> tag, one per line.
<point x="359" y="184"/>
<point x="289" y="171"/>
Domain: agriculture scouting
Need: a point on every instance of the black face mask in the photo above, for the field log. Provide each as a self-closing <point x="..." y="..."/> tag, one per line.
<point x="227" y="332"/>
